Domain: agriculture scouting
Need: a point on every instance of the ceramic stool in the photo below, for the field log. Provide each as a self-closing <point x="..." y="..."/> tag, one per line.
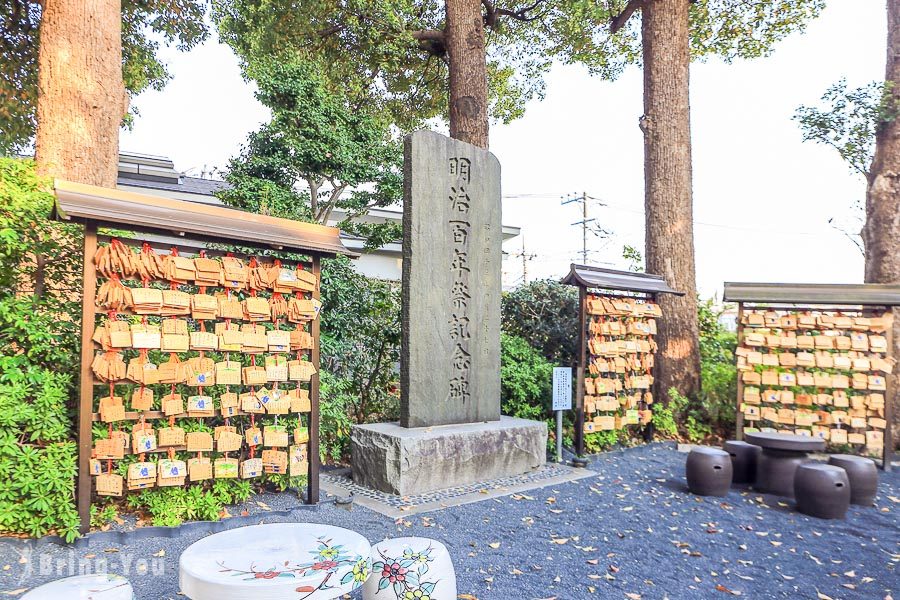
<point x="410" y="568"/>
<point x="708" y="472"/>
<point x="84" y="587"/>
<point x="743" y="460"/>
<point x="822" y="490"/>
<point x="862" y="474"/>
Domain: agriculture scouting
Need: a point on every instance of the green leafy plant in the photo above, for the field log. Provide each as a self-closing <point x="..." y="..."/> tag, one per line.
<point x="545" y="313"/>
<point x="525" y="379"/>
<point x="170" y="507"/>
<point x="38" y="358"/>
<point x="103" y="515"/>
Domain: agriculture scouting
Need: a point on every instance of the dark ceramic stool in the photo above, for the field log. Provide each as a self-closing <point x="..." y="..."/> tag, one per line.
<point x="743" y="460"/>
<point x="862" y="474"/>
<point x="781" y="454"/>
<point x="708" y="472"/>
<point x="822" y="491"/>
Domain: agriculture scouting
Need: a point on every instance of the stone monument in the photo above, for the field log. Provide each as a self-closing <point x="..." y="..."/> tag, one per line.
<point x="450" y="431"/>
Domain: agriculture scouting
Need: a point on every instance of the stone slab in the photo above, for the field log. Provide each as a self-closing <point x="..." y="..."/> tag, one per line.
<point x="338" y="483"/>
<point x="404" y="461"/>
<point x="450" y="349"/>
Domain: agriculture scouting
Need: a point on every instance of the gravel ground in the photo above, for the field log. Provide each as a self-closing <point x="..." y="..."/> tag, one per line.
<point x="631" y="532"/>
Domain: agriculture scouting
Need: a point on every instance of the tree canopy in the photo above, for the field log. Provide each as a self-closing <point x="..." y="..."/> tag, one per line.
<point x="848" y="120"/>
<point x="389" y="55"/>
<point x="145" y="25"/>
<point x="318" y="154"/>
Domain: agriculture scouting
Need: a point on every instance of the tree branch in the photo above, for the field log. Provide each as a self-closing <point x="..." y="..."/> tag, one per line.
<point x="521" y="14"/>
<point x="617" y="22"/>
<point x="433" y="35"/>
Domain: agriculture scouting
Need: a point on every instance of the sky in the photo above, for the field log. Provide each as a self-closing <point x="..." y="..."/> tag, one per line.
<point x="762" y="197"/>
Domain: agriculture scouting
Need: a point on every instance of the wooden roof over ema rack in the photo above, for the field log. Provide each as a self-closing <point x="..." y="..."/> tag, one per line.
<point x="140" y="212"/>
<point x="611" y="279"/>
<point x="824" y="294"/>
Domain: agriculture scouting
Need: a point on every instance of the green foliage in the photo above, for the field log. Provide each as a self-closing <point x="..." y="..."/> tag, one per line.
<point x="38" y="359"/>
<point x="360" y="341"/>
<point x="664" y="415"/>
<point x="144" y="24"/>
<point x="318" y="154"/>
<point x="335" y="401"/>
<point x="546" y="314"/>
<point x="849" y="120"/>
<point x="389" y="55"/>
<point x="171" y="506"/>
<point x="718" y="374"/>
<point x="601" y="441"/>
<point x="525" y="380"/>
<point x="37" y="487"/>
<point x="102" y="516"/>
<point x="634" y="258"/>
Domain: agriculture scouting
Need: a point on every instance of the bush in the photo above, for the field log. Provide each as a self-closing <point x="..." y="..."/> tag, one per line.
<point x="718" y="375"/>
<point x="360" y="354"/>
<point x="525" y="380"/>
<point x="38" y="358"/>
<point x="545" y="313"/>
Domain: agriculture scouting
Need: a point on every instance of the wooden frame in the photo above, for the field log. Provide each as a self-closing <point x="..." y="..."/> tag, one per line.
<point x="94" y="207"/>
<point x="888" y="444"/>
<point x="608" y="283"/>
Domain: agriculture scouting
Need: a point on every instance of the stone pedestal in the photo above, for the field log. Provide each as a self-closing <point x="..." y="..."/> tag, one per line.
<point x="405" y="461"/>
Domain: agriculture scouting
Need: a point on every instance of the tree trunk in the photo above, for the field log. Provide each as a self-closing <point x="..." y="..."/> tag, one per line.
<point x="882" y="229"/>
<point x="81" y="96"/>
<point x="468" y="72"/>
<point x="667" y="189"/>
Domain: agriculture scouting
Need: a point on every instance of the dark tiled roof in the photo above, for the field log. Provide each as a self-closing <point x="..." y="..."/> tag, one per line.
<point x="187" y="185"/>
<point x="869" y="294"/>
<point x="611" y="279"/>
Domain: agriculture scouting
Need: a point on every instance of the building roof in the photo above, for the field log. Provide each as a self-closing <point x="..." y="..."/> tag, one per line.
<point x="188" y="185"/>
<point x="611" y="279"/>
<point x="156" y="214"/>
<point x="819" y="294"/>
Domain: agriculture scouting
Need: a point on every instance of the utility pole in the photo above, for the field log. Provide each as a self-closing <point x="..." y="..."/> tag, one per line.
<point x="583" y="199"/>
<point x="525" y="258"/>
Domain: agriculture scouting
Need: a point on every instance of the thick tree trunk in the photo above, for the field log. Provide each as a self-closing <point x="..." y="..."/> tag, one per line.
<point x="468" y="72"/>
<point x="81" y="96"/>
<point x="667" y="192"/>
<point x="882" y="230"/>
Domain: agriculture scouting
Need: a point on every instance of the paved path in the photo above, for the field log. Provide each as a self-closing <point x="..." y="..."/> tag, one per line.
<point x="631" y="532"/>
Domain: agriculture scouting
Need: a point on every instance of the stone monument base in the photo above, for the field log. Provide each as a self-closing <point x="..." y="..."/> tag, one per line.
<point x="404" y="461"/>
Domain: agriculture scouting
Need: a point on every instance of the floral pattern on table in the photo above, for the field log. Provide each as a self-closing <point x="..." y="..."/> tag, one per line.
<point x="406" y="574"/>
<point x="327" y="560"/>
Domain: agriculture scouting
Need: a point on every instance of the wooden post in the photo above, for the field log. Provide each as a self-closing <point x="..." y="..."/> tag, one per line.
<point x="739" y="426"/>
<point x="579" y="379"/>
<point x="86" y="397"/>
<point x="312" y="486"/>
<point x="887" y="453"/>
<point x="654" y="388"/>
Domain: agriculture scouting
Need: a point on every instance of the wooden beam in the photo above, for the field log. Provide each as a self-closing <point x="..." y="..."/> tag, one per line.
<point x="86" y="397"/>
<point x="579" y="378"/>
<point x="739" y="425"/>
<point x="312" y="487"/>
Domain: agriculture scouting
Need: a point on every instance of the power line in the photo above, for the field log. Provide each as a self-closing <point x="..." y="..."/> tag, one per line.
<point x="620" y="208"/>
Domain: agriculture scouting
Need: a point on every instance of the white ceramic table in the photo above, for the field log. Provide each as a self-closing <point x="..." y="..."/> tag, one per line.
<point x="101" y="586"/>
<point x="300" y="561"/>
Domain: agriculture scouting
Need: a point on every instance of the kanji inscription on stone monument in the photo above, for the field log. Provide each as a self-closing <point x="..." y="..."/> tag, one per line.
<point x="450" y="365"/>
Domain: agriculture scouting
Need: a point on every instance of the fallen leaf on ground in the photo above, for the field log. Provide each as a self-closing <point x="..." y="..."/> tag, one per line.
<point x="722" y="588"/>
<point x="494" y="545"/>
